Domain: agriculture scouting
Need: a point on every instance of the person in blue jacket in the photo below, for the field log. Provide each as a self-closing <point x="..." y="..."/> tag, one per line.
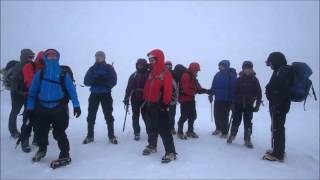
<point x="223" y="88"/>
<point x="101" y="77"/>
<point x="47" y="101"/>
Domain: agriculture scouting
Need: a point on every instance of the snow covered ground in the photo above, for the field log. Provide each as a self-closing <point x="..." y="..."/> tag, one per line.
<point x="206" y="157"/>
<point x="187" y="31"/>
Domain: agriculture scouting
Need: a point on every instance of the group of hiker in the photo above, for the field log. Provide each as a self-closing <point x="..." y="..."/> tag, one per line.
<point x="44" y="88"/>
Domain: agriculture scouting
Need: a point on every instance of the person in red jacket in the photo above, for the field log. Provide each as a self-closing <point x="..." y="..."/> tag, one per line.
<point x="188" y="89"/>
<point x="157" y="96"/>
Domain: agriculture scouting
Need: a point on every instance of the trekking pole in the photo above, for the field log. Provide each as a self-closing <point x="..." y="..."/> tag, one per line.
<point x="230" y="121"/>
<point x="81" y="85"/>
<point x="272" y="140"/>
<point x="125" y="117"/>
<point x="211" y="112"/>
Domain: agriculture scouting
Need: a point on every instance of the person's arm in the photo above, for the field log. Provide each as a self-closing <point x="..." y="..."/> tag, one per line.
<point x="88" y="78"/>
<point x="71" y="90"/>
<point x="129" y="87"/>
<point x="213" y="85"/>
<point x="33" y="91"/>
<point x="28" y="73"/>
<point x="112" y="77"/>
<point x="167" y="88"/>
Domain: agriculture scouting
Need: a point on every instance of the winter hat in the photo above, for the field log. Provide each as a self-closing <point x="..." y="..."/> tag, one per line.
<point x="194" y="67"/>
<point x="225" y="63"/>
<point x="276" y="59"/>
<point x="143" y="62"/>
<point x="101" y="53"/>
<point x="25" y="53"/>
<point x="247" y="65"/>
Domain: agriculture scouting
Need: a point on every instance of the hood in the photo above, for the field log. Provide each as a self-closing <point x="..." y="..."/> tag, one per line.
<point x="194" y="67"/>
<point x="52" y="66"/>
<point x="225" y="63"/>
<point x="39" y="62"/>
<point x="277" y="59"/>
<point x="25" y="53"/>
<point x="158" y="67"/>
<point x="144" y="63"/>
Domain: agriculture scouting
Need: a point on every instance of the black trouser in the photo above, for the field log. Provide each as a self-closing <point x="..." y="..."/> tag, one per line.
<point x="188" y="112"/>
<point x="278" y="133"/>
<point x="221" y="116"/>
<point x="17" y="101"/>
<point x="136" y="109"/>
<point x="106" y="102"/>
<point x="157" y="122"/>
<point x="172" y="115"/>
<point x="244" y="111"/>
<point x="58" y="117"/>
<point x="28" y="123"/>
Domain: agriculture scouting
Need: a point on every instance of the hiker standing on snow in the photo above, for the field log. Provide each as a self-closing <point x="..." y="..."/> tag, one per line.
<point x="223" y="88"/>
<point x="48" y="100"/>
<point x="157" y="96"/>
<point x="278" y="95"/>
<point x="189" y="87"/>
<point x="134" y="91"/>
<point x="101" y="77"/>
<point x="247" y="100"/>
<point x="173" y="103"/>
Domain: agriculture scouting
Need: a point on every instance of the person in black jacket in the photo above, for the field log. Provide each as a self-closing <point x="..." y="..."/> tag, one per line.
<point x="134" y="91"/>
<point x="246" y="101"/>
<point x="101" y="77"/>
<point x="277" y="92"/>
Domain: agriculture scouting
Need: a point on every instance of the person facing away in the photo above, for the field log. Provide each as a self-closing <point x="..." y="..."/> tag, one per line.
<point x="134" y="92"/>
<point x="223" y="88"/>
<point x="101" y="77"/>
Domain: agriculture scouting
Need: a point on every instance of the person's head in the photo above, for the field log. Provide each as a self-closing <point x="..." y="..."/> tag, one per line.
<point x="194" y="68"/>
<point x="247" y="67"/>
<point x="100" y="56"/>
<point x="141" y="64"/>
<point x="224" y="64"/>
<point x="51" y="57"/>
<point x="26" y="55"/>
<point x="156" y="58"/>
<point x="169" y="65"/>
<point x="276" y="60"/>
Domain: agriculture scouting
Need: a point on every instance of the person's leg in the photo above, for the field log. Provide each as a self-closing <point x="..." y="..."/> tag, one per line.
<point x="153" y="119"/>
<point x="135" y="117"/>
<point x="165" y="133"/>
<point x="107" y="107"/>
<point x="247" y="120"/>
<point x="217" y="115"/>
<point x="42" y="127"/>
<point x="225" y="117"/>
<point x="183" y="118"/>
<point x="172" y="114"/>
<point x="92" y="113"/>
<point x="17" y="102"/>
<point x="237" y="116"/>
<point x="279" y="119"/>
<point x="60" y="122"/>
<point x="192" y="116"/>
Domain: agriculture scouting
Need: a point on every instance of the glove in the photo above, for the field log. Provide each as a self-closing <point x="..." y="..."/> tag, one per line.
<point x="164" y="107"/>
<point x="126" y="102"/>
<point x="29" y="113"/>
<point x="76" y="112"/>
<point x="202" y="91"/>
<point x="257" y="106"/>
<point x="210" y="97"/>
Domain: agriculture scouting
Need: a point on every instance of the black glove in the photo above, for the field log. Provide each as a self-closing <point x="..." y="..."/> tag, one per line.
<point x="76" y="112"/>
<point x="202" y="91"/>
<point x="164" y="107"/>
<point x="210" y="97"/>
<point x="126" y="102"/>
<point x="256" y="108"/>
<point x="29" y="113"/>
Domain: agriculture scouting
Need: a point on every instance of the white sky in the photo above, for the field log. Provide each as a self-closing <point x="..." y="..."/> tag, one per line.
<point x="206" y="32"/>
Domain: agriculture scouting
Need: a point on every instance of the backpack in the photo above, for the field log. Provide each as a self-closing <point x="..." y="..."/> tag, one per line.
<point x="64" y="70"/>
<point x="17" y="83"/>
<point x="8" y="74"/>
<point x="178" y="71"/>
<point x="301" y="84"/>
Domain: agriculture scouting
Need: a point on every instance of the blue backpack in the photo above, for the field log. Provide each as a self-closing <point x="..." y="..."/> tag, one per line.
<point x="301" y="84"/>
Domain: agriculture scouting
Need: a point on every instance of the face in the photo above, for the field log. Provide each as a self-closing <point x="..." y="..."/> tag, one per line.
<point x="99" y="58"/>
<point x="152" y="60"/>
<point x="221" y="68"/>
<point x="247" y="71"/>
<point x="31" y="57"/>
<point x="52" y="55"/>
<point x="139" y="66"/>
<point x="169" y="66"/>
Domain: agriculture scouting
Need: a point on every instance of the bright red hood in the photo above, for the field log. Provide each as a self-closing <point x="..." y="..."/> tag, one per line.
<point x="159" y="66"/>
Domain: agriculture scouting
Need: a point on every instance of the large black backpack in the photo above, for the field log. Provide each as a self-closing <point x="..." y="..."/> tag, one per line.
<point x="301" y="84"/>
<point x="17" y="84"/>
<point x="7" y="73"/>
<point x="178" y="71"/>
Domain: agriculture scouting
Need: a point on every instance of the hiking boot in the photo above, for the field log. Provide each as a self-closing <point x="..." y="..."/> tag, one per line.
<point x="88" y="140"/>
<point x="216" y="133"/>
<point x="231" y="139"/>
<point x="38" y="156"/>
<point x="173" y="131"/>
<point x="113" y="140"/>
<point x="224" y="136"/>
<point x="248" y="143"/>
<point x="272" y="157"/>
<point x="25" y="146"/>
<point x="136" y="137"/>
<point x="148" y="150"/>
<point x="181" y="136"/>
<point x="192" y="135"/>
<point x="168" y="157"/>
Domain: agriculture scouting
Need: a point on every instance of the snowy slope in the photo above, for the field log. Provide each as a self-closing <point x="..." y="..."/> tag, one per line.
<point x="207" y="157"/>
